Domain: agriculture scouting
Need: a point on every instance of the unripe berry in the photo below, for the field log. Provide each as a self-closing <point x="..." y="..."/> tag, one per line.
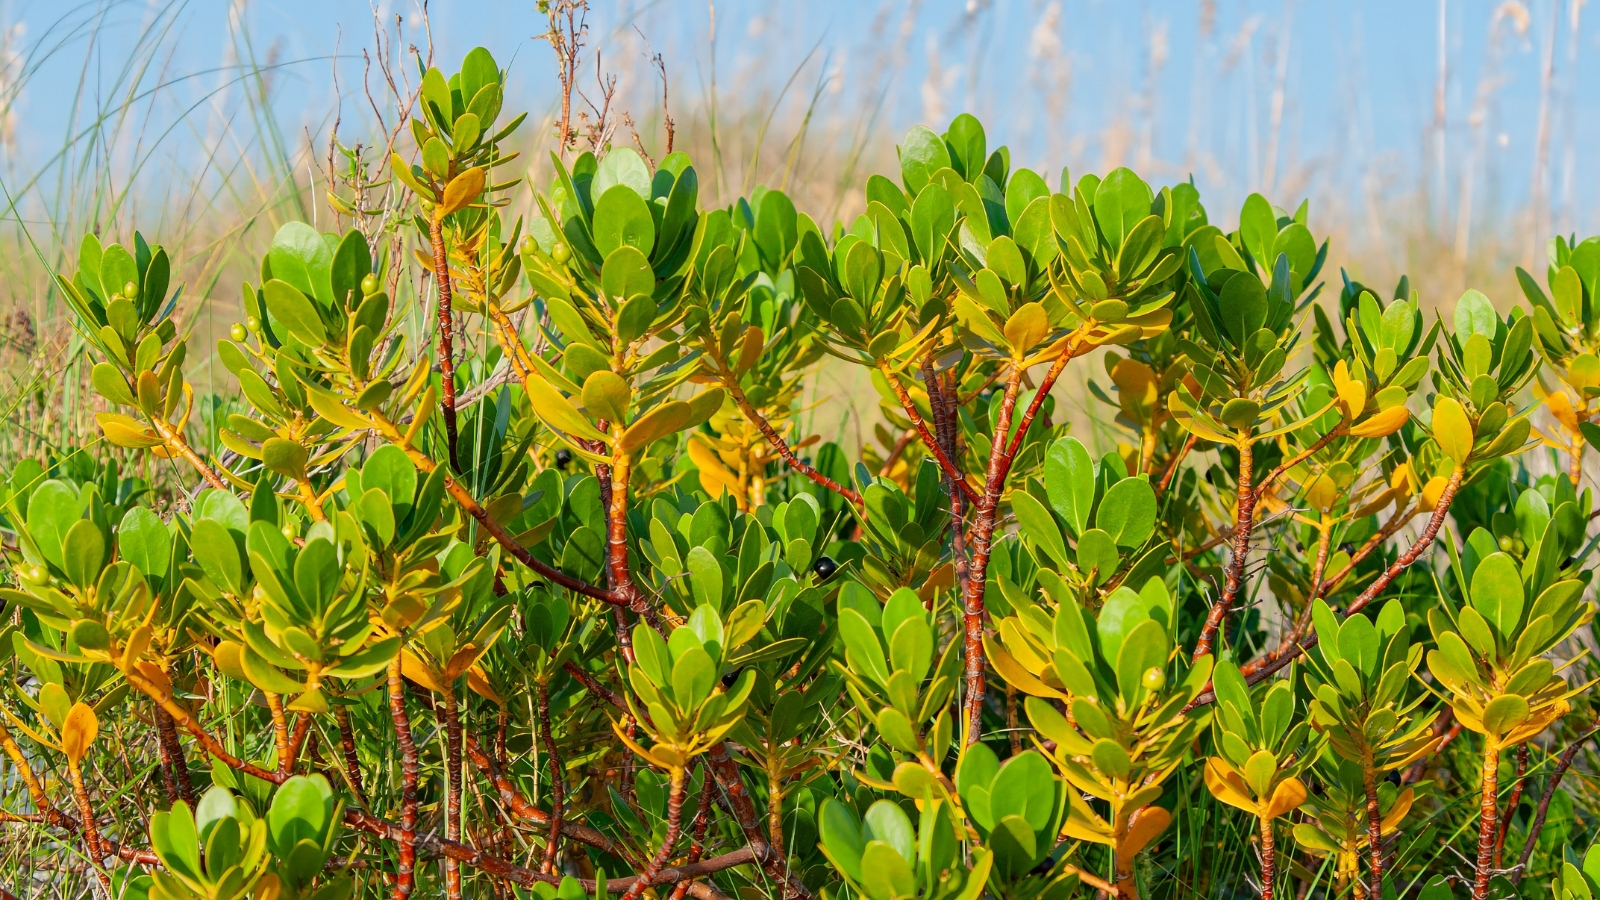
<point x="369" y="284"/>
<point x="130" y="290"/>
<point x="526" y="244"/>
<point x="1154" y="678"/>
<point x="560" y="252"/>
<point x="237" y="332"/>
<point x="252" y="324"/>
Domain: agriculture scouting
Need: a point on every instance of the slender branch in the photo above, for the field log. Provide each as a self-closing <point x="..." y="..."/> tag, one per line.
<point x="352" y="761"/>
<point x="280" y="732"/>
<point x="1511" y="802"/>
<point x="1297" y="459"/>
<point x="522" y="809"/>
<point x="1369" y="783"/>
<point x="782" y="447"/>
<point x="447" y="365"/>
<point x="452" y="814"/>
<point x="558" y="781"/>
<point x="1416" y="550"/>
<point x="1563" y="763"/>
<point x="464" y="499"/>
<point x="726" y="773"/>
<point x="674" y="821"/>
<point x="1243" y="524"/>
<point x="1172" y="465"/>
<point x="910" y="407"/>
<point x="1269" y="861"/>
<point x="91" y="831"/>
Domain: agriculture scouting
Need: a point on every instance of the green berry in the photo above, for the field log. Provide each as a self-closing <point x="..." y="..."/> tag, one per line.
<point x="35" y="574"/>
<point x="130" y="290"/>
<point x="369" y="285"/>
<point x="237" y="332"/>
<point x="1505" y="544"/>
<point x="252" y="324"/>
<point x="526" y="244"/>
<point x="1154" y="678"/>
<point x="560" y="252"/>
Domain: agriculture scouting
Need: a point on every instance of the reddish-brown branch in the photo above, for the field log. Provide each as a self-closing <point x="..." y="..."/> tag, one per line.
<point x="1488" y="810"/>
<point x="726" y="773"/>
<point x="447" y="364"/>
<point x="697" y="845"/>
<point x="405" y="870"/>
<point x="1269" y="862"/>
<point x="1172" y="466"/>
<point x="452" y="814"/>
<point x="674" y="821"/>
<point x="1243" y="524"/>
<point x="1297" y="459"/>
<point x="1416" y="550"/>
<point x="519" y="806"/>
<point x="1563" y="763"/>
<point x="352" y="761"/>
<point x="558" y="781"/>
<point x="91" y="831"/>
<point x="465" y="500"/>
<point x="1369" y="782"/>
<point x="951" y="471"/>
<point x="1261" y="669"/>
<point x="280" y="733"/>
<point x="731" y="382"/>
<point x="1511" y="803"/>
<point x="972" y="606"/>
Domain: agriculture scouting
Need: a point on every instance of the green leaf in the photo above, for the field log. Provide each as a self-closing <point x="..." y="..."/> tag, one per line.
<point x="1121" y="201"/>
<point x="143" y="539"/>
<point x="1128" y="512"/>
<point x="885" y="821"/>
<point x="290" y="308"/>
<point x="52" y="511"/>
<point x="1258" y="230"/>
<point x="841" y="837"/>
<point x="557" y="412"/>
<point x="622" y="166"/>
<point x="1497" y="593"/>
<point x="287" y="458"/>
<point x="922" y="153"/>
<point x="83" y="553"/>
<point x="1069" y="480"/>
<point x="622" y="218"/>
<point x="300" y="257"/>
<point x="1504" y="713"/>
<point x="606" y="396"/>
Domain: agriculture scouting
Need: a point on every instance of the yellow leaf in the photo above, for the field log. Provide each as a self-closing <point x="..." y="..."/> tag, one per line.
<point x="1352" y="393"/>
<point x="461" y="191"/>
<point x="479" y="684"/>
<point x="558" y="412"/>
<point x="1452" y="429"/>
<point x="79" y="731"/>
<point x="1432" y="491"/>
<point x="1402" y="805"/>
<point x="1015" y="675"/>
<point x="1026" y="328"/>
<point x="414" y="669"/>
<point x="1226" y="785"/>
<point x="1288" y="796"/>
<point x="750" y="350"/>
<point x="126" y="432"/>
<point x="1144" y="826"/>
<point x="1382" y="424"/>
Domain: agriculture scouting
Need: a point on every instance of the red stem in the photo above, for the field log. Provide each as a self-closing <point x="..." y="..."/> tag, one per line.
<point x="405" y="875"/>
<point x="447" y="364"/>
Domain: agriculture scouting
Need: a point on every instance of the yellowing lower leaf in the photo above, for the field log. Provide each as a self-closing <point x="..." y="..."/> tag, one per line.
<point x="1145" y="826"/>
<point x="79" y="731"/>
<point x="126" y="432"/>
<point x="1228" y="786"/>
<point x="1382" y="424"/>
<point x="1290" y="793"/>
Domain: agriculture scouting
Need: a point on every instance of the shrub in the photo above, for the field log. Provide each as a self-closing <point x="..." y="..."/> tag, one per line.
<point x="531" y="583"/>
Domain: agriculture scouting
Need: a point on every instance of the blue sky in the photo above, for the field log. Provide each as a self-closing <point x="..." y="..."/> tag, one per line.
<point x="1187" y="86"/>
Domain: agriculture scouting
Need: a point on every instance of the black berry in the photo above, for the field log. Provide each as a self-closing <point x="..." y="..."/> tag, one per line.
<point x="563" y="458"/>
<point x="824" y="567"/>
